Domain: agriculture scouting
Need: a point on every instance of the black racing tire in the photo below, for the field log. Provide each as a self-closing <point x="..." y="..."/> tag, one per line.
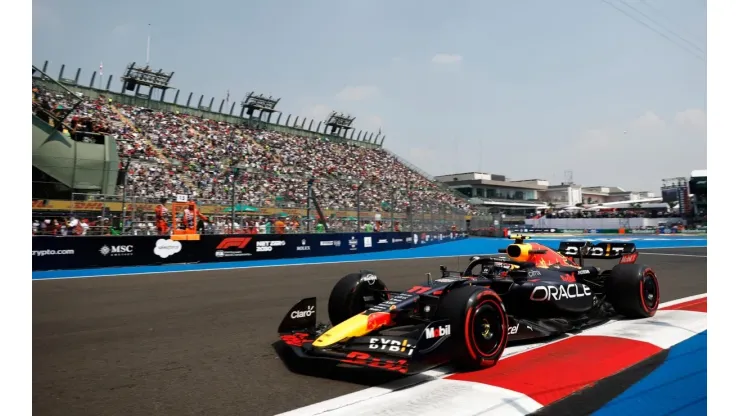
<point x="633" y="290"/>
<point x="347" y="299"/>
<point x="479" y="326"/>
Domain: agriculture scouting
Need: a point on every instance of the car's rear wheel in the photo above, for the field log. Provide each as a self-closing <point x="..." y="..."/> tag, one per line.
<point x="478" y="326"/>
<point x="633" y="290"/>
<point x="353" y="294"/>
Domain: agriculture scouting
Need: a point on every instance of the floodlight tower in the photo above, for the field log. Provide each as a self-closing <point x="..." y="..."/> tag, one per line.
<point x="136" y="77"/>
<point x="340" y="124"/>
<point x="265" y="105"/>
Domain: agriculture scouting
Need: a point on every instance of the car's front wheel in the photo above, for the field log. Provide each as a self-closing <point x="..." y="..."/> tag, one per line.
<point x="478" y="326"/>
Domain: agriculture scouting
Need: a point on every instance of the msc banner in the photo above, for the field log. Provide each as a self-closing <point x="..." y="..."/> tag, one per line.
<point x="52" y="253"/>
<point x="55" y="253"/>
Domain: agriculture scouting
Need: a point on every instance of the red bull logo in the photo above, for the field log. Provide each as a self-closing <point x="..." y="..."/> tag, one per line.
<point x="570" y="277"/>
<point x="377" y="320"/>
<point x="549" y="258"/>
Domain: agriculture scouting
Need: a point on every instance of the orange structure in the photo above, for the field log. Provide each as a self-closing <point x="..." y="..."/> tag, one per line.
<point x="185" y="230"/>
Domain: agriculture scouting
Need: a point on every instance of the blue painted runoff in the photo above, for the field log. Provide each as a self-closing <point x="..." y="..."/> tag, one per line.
<point x="676" y="387"/>
<point x="467" y="247"/>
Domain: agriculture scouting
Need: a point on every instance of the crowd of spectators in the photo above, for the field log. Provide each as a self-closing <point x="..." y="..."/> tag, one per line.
<point x="90" y="116"/>
<point x="277" y="166"/>
<point x="174" y="153"/>
<point x="69" y="226"/>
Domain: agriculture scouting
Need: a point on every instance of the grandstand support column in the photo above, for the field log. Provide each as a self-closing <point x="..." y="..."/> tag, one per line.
<point x="235" y="179"/>
<point x="431" y="215"/>
<point x="410" y="208"/>
<point x="394" y="189"/>
<point x="122" y="225"/>
<point x="359" y="188"/>
<point x="308" y="205"/>
<point x="444" y="218"/>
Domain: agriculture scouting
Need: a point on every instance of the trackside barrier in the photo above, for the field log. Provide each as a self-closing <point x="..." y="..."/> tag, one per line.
<point x="502" y="231"/>
<point x="60" y="253"/>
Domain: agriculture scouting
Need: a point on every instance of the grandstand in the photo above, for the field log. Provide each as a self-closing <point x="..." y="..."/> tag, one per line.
<point x="164" y="149"/>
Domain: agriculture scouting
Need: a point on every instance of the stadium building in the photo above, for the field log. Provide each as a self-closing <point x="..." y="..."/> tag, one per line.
<point x="528" y="196"/>
<point x="495" y="191"/>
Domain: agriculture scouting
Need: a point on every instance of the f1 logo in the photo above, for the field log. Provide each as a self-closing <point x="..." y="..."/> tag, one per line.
<point x="233" y="242"/>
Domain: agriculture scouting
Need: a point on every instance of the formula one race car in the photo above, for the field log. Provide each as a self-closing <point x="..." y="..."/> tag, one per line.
<point x="467" y="318"/>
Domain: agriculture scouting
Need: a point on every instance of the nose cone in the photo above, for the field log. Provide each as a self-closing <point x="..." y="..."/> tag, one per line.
<point x="355" y="326"/>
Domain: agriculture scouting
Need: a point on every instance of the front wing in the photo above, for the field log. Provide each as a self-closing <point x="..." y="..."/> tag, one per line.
<point x="405" y="349"/>
<point x="408" y="353"/>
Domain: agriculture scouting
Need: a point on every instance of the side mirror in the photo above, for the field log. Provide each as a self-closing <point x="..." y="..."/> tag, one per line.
<point x="443" y="268"/>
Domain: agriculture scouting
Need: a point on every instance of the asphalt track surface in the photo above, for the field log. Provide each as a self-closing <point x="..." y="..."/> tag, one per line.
<point x="201" y="343"/>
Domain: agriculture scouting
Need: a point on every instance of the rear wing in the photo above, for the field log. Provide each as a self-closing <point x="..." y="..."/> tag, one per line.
<point x="626" y="252"/>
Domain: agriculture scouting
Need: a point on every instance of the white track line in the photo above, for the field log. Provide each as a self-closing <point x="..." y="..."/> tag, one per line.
<point x="682" y="300"/>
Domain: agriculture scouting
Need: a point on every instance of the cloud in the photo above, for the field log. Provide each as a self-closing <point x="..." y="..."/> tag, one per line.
<point x="370" y="123"/>
<point x="594" y="140"/>
<point x="373" y="122"/>
<point x="446" y="59"/>
<point x="44" y="15"/>
<point x="316" y="112"/>
<point x="693" y="118"/>
<point x="648" y="122"/>
<point x="639" y="153"/>
<point x="358" y="93"/>
<point x="124" y="29"/>
<point x="425" y="154"/>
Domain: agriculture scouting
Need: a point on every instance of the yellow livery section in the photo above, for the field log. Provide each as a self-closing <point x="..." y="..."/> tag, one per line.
<point x="355" y="326"/>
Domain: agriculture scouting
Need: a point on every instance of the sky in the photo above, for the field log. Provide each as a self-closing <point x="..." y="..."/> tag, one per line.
<point x="526" y="89"/>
